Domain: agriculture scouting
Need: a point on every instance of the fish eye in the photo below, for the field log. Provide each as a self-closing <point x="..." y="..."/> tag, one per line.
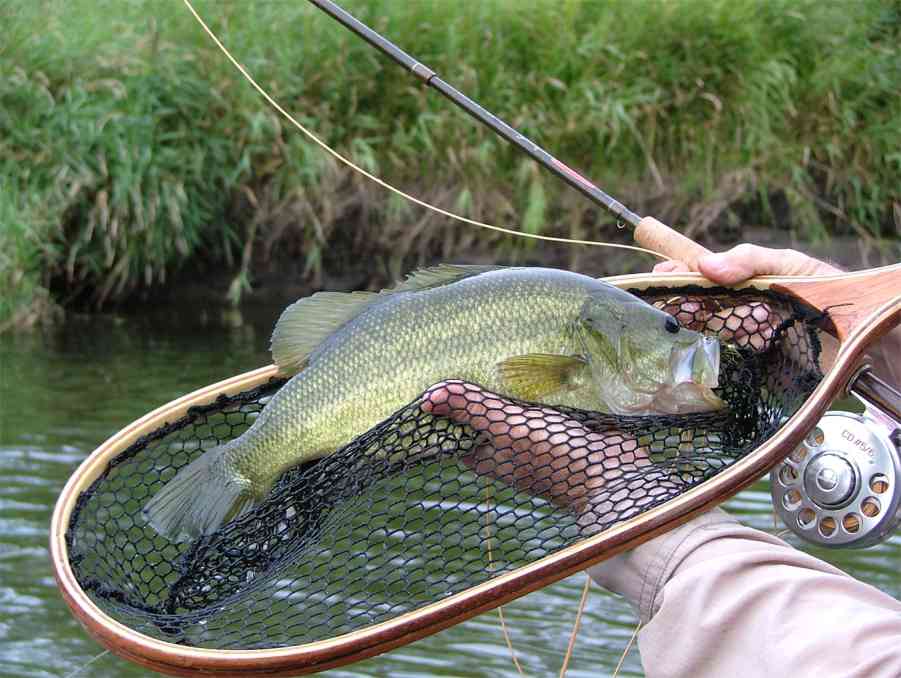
<point x="672" y="325"/>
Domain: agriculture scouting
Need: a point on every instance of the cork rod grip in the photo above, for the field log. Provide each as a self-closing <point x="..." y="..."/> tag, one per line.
<point x="659" y="237"/>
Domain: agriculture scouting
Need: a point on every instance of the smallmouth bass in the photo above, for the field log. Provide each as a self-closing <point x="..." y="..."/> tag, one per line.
<point x="543" y="335"/>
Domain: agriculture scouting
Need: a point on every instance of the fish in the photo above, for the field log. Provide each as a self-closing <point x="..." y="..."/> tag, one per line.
<point x="537" y="334"/>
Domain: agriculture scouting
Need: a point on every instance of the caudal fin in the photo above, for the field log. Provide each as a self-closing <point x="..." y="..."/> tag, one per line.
<point x="198" y="500"/>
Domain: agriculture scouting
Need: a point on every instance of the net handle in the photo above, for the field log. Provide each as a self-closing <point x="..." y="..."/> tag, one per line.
<point x="657" y="236"/>
<point x="863" y="292"/>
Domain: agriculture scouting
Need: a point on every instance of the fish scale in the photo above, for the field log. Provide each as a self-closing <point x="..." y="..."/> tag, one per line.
<point x="364" y="356"/>
<point x="381" y="360"/>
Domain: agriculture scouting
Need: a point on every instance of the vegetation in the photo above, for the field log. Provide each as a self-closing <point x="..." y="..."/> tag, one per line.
<point x="129" y="146"/>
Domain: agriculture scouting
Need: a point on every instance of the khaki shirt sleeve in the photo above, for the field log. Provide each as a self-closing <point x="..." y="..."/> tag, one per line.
<point x="717" y="598"/>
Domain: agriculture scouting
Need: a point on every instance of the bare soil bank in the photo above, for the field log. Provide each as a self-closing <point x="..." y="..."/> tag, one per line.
<point x="281" y="279"/>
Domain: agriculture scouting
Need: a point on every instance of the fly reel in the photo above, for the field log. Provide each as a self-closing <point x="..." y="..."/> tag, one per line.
<point x="841" y="487"/>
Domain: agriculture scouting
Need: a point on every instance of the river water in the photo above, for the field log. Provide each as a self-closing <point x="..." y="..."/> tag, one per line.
<point x="64" y="391"/>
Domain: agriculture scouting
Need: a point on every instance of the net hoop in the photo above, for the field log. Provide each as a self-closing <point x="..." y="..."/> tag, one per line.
<point x="181" y="660"/>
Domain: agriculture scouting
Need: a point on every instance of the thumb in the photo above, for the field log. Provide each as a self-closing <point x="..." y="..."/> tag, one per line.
<point x="448" y="399"/>
<point x="466" y="403"/>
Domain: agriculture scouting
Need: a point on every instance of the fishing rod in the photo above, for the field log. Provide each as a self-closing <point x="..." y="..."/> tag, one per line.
<point x="654" y="236"/>
<point x="649" y="232"/>
<point x="486" y="117"/>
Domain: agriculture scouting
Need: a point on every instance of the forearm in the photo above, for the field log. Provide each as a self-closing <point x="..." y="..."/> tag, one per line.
<point x="717" y="598"/>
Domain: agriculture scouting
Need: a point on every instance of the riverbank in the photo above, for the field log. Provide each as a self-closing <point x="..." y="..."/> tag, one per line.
<point x="131" y="154"/>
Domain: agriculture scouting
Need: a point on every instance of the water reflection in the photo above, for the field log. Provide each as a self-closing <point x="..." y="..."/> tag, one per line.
<point x="63" y="392"/>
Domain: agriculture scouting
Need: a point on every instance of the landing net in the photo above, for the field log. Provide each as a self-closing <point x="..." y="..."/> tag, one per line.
<point x="421" y="507"/>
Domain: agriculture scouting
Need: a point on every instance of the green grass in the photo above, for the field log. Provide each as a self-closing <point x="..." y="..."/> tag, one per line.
<point x="128" y="145"/>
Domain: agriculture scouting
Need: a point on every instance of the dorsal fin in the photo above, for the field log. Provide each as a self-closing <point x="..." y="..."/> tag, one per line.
<point x="307" y="323"/>
<point x="436" y="276"/>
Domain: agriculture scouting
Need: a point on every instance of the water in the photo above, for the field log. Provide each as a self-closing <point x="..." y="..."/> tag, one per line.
<point x="63" y="392"/>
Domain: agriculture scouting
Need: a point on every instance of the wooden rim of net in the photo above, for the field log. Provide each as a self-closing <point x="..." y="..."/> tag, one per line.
<point x="874" y="312"/>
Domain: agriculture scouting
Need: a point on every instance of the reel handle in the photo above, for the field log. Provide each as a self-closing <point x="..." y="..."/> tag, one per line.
<point x="869" y="388"/>
<point x="655" y="235"/>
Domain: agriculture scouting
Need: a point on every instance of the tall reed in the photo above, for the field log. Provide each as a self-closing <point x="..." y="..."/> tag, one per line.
<point x="128" y="146"/>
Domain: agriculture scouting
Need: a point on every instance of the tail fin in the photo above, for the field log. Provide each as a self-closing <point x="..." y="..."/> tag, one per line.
<point x="199" y="499"/>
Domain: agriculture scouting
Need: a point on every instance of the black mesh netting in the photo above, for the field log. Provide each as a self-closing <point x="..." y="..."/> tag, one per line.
<point x="422" y="507"/>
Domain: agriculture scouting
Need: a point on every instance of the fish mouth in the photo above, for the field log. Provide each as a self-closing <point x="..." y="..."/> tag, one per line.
<point x="698" y="363"/>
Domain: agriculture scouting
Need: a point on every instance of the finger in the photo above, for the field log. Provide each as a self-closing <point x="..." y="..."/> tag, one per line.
<point x="753" y="324"/>
<point x="481" y="410"/>
<point x="671" y="266"/>
<point x="746" y="260"/>
<point x="455" y="399"/>
<point x="537" y="450"/>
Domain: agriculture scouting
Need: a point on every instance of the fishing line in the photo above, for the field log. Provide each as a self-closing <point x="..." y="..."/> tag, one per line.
<point x="486" y="490"/>
<point x="575" y="632"/>
<point x="506" y="633"/>
<point x="487" y="493"/>
<point x="346" y="161"/>
<point x="622" y="659"/>
<point x="87" y="664"/>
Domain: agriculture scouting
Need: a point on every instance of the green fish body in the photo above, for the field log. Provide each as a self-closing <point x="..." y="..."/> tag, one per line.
<point x="522" y="332"/>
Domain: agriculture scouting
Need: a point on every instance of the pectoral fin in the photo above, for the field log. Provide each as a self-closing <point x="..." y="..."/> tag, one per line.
<point x="537" y="375"/>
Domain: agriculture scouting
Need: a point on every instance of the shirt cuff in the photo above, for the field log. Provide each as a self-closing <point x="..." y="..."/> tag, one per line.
<point x="640" y="574"/>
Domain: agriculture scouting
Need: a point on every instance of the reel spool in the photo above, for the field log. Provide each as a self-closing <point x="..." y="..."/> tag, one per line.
<point x="841" y="487"/>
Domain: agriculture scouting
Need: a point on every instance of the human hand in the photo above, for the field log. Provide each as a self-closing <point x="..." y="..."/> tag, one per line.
<point x="542" y="452"/>
<point x="537" y="450"/>
<point x="746" y="261"/>
<point x="750" y="324"/>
